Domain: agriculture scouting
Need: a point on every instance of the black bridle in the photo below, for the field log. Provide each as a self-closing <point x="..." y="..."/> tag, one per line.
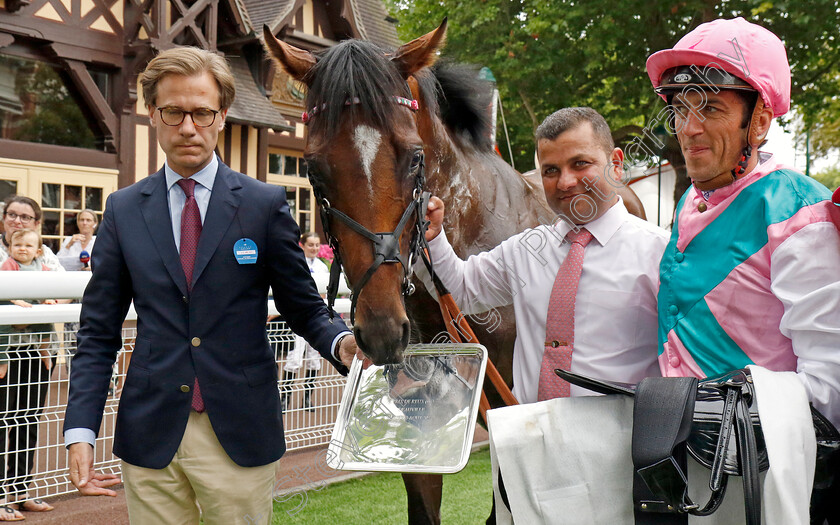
<point x="386" y="245"/>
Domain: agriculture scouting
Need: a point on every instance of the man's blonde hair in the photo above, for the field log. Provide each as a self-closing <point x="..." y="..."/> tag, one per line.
<point x="188" y="61"/>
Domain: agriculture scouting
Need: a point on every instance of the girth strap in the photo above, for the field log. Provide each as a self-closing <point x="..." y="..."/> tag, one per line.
<point x="662" y="417"/>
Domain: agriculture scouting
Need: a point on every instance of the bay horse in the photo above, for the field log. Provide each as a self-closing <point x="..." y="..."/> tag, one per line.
<point x="381" y="127"/>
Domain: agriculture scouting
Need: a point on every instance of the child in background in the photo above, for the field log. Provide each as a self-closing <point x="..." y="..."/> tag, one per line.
<point x="24" y="247"/>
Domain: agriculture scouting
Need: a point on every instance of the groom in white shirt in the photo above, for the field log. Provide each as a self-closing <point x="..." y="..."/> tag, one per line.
<point x="607" y="327"/>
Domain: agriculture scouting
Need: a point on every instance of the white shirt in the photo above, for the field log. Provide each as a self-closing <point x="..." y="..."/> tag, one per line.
<point x="316" y="265"/>
<point x="615" y="307"/>
<point x="68" y="256"/>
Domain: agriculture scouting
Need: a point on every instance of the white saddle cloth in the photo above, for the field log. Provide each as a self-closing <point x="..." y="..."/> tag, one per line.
<point x="567" y="461"/>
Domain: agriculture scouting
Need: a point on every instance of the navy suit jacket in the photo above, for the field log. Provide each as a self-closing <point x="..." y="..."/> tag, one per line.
<point x="216" y="332"/>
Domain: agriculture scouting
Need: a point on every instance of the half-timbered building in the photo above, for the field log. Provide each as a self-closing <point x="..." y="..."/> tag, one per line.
<point x="74" y="127"/>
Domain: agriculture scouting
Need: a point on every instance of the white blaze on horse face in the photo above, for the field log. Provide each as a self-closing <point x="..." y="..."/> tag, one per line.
<point x="367" y="141"/>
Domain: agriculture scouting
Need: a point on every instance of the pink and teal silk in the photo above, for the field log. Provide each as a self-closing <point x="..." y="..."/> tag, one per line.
<point x="717" y="311"/>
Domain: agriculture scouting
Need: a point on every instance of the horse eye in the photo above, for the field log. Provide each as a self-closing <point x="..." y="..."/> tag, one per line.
<point x="416" y="160"/>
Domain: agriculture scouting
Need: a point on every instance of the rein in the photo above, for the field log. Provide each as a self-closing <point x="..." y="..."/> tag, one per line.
<point x="386" y="249"/>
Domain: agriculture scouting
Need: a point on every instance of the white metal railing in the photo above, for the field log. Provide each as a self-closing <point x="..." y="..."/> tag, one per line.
<point x="33" y="399"/>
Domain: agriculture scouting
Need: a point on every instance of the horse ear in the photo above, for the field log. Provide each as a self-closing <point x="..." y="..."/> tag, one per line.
<point x="296" y="62"/>
<point x="420" y="52"/>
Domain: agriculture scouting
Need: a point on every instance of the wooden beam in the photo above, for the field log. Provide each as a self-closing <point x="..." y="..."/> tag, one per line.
<point x="94" y="98"/>
<point x="301" y="39"/>
<point x="262" y="154"/>
<point x="187" y="21"/>
<point x="213" y="26"/>
<point x="72" y="52"/>
<point x="127" y="161"/>
<point x="16" y="149"/>
<point x="104" y="44"/>
<point x="102" y="9"/>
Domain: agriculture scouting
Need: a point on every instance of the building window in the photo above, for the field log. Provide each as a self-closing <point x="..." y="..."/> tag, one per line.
<point x="36" y="106"/>
<point x="7" y="187"/>
<point x="288" y="164"/>
<point x="288" y="169"/>
<point x="61" y="203"/>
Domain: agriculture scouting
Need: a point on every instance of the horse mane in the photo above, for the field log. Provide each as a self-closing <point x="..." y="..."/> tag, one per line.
<point x="353" y="69"/>
<point x="360" y="70"/>
<point x="461" y="99"/>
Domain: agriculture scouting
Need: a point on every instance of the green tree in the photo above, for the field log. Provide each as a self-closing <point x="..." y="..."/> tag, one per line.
<point x="548" y="54"/>
<point x="822" y="126"/>
<point x="829" y="177"/>
<point x="52" y="115"/>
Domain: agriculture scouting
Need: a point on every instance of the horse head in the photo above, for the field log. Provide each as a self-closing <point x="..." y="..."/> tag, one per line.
<point x="365" y="160"/>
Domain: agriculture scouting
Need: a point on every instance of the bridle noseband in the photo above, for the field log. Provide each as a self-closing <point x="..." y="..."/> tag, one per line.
<point x="386" y="245"/>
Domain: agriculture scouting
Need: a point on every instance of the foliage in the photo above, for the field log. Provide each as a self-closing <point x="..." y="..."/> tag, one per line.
<point x="824" y="127"/>
<point x="381" y="498"/>
<point x="52" y="116"/>
<point x="548" y="54"/>
<point x="829" y="177"/>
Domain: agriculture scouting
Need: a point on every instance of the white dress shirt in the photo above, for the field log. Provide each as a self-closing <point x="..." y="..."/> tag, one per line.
<point x="69" y="253"/>
<point x="316" y="265"/>
<point x="615" y="307"/>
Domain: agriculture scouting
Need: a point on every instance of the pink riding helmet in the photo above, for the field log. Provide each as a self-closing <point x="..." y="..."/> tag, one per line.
<point x="743" y="49"/>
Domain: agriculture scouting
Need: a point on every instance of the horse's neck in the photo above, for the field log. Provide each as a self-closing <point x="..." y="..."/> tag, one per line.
<point x="486" y="200"/>
<point x="450" y="177"/>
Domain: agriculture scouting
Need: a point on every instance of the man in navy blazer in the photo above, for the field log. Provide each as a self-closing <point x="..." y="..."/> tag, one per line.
<point x="199" y="417"/>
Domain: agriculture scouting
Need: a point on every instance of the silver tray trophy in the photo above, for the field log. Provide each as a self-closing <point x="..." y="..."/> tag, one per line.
<point x="418" y="416"/>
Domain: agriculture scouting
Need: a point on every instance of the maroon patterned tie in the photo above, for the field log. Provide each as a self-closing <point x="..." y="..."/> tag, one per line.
<point x="560" y="321"/>
<point x="190" y="232"/>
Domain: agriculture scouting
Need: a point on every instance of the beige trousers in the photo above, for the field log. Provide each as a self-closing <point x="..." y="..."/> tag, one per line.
<point x="200" y="479"/>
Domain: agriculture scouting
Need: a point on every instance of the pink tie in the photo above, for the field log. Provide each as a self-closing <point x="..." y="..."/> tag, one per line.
<point x="190" y="232"/>
<point x="560" y="321"/>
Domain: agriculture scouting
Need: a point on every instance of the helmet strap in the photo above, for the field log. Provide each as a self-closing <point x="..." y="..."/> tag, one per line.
<point x="741" y="168"/>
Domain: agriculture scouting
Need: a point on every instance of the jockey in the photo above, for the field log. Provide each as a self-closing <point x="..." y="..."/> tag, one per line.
<point x="751" y="273"/>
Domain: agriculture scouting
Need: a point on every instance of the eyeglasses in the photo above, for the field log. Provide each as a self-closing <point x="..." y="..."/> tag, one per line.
<point x="202" y="117"/>
<point x="25" y="219"/>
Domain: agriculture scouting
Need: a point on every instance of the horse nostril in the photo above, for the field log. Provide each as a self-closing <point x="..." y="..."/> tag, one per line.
<point x="406" y="333"/>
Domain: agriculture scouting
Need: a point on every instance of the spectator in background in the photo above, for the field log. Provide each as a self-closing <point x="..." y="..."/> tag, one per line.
<point x="303" y="354"/>
<point x="70" y="256"/>
<point x="25" y="365"/>
<point x="22" y="212"/>
<point x="73" y="246"/>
